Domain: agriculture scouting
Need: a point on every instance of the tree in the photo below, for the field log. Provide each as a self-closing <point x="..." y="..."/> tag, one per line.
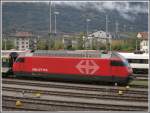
<point x="124" y="45"/>
<point x="58" y="45"/>
<point x="41" y="44"/>
<point x="7" y="44"/>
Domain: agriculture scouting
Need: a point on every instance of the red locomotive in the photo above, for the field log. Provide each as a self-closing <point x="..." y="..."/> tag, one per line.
<point x="109" y="68"/>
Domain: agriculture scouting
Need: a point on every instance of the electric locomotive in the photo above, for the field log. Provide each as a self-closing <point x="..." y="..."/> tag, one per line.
<point x="74" y="65"/>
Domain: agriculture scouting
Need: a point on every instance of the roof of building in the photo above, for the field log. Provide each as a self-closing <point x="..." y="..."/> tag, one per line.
<point x="100" y="34"/>
<point x="142" y="35"/>
<point x="23" y="34"/>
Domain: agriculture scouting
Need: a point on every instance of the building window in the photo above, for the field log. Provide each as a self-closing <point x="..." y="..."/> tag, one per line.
<point x="22" y="46"/>
<point x="107" y="35"/>
<point x="146" y="43"/>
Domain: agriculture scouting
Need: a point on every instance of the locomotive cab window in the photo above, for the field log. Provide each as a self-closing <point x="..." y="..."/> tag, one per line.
<point x="119" y="63"/>
<point x="21" y="60"/>
<point x="122" y="62"/>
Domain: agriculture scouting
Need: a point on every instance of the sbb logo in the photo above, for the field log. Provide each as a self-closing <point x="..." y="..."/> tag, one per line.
<point x="87" y="67"/>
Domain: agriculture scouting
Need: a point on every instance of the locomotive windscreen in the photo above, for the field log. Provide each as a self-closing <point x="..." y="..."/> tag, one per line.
<point x="116" y="55"/>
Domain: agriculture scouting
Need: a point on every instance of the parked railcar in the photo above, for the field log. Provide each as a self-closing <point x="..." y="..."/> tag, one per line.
<point x="7" y="60"/>
<point x="108" y="68"/>
<point x="138" y="62"/>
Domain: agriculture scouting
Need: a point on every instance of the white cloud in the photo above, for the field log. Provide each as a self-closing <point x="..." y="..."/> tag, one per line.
<point x="122" y="7"/>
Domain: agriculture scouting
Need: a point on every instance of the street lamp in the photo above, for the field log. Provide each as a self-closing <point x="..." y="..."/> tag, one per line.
<point x="56" y="13"/>
<point x="50" y="17"/>
<point x="106" y="24"/>
<point x="108" y="38"/>
<point x="87" y="27"/>
<point x="5" y="47"/>
<point x="87" y="30"/>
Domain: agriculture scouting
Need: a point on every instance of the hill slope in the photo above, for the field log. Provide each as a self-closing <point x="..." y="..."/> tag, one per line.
<point x="34" y="17"/>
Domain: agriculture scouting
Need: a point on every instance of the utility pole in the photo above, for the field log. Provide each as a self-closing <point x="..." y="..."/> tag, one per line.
<point x="124" y="26"/>
<point x="55" y="13"/>
<point x="50" y="25"/>
<point x="106" y="30"/>
<point x="131" y="28"/>
<point x="87" y="26"/>
<point x="117" y="24"/>
<point x="107" y="38"/>
<point x="106" y="24"/>
<point x="136" y="45"/>
<point x="87" y="32"/>
<point x="117" y="29"/>
<point x="5" y="47"/>
<point x="50" y="18"/>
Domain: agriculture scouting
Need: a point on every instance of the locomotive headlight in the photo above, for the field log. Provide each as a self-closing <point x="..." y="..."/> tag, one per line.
<point x="128" y="66"/>
<point x="130" y="69"/>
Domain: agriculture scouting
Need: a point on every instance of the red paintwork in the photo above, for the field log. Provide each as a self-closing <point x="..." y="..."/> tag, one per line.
<point x="71" y="65"/>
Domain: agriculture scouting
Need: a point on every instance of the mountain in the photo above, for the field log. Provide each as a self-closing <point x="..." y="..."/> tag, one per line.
<point x="34" y="17"/>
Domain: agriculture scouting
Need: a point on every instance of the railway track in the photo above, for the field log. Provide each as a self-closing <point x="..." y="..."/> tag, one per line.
<point x="75" y="86"/>
<point x="141" y="75"/>
<point x="9" y="107"/>
<point x="141" y="78"/>
<point x="73" y="93"/>
<point x="137" y="77"/>
<point x="52" y="105"/>
<point x="58" y="96"/>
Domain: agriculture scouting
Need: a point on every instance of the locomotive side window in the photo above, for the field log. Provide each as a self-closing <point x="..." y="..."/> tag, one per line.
<point x="117" y="63"/>
<point x="21" y="60"/>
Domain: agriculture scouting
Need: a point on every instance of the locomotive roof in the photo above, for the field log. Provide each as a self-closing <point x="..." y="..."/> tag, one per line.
<point x="76" y="53"/>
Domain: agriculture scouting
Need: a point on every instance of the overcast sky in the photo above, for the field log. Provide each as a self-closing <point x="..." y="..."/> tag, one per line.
<point x="124" y="8"/>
